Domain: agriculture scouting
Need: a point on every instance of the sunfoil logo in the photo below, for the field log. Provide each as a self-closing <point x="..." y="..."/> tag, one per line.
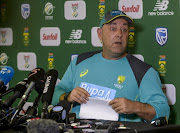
<point x="160" y="9"/>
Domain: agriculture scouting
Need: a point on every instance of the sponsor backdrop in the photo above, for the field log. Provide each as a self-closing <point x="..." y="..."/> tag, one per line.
<point x="50" y="33"/>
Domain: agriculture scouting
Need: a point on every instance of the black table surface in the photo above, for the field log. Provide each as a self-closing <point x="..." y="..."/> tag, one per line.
<point x="135" y="127"/>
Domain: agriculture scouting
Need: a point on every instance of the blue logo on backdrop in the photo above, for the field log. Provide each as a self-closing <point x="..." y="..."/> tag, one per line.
<point x="99" y="91"/>
<point x="25" y="10"/>
<point x="161" y="36"/>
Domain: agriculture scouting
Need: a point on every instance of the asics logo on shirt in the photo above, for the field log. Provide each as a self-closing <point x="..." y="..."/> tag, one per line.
<point x="83" y="73"/>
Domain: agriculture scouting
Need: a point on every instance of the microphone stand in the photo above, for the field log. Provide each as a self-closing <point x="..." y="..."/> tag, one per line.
<point x="32" y="110"/>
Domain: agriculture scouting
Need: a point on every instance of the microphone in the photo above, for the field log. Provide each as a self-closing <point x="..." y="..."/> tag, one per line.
<point x="59" y="113"/>
<point x="51" y="77"/>
<point x="18" y="92"/>
<point x="36" y="76"/>
<point x="6" y="75"/>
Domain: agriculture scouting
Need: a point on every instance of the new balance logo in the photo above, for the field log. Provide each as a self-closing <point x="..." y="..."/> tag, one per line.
<point x="161" y="9"/>
<point x="161" y="6"/>
<point x="75" y="34"/>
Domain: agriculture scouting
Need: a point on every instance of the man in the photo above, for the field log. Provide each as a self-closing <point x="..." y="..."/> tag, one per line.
<point x="138" y="93"/>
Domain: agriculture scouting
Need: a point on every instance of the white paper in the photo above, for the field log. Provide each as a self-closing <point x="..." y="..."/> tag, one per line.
<point x="97" y="108"/>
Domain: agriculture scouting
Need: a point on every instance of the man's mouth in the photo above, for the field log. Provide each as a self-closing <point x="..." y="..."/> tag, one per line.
<point x="118" y="42"/>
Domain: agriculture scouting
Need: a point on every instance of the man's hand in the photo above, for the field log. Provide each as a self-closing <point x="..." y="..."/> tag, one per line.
<point x="79" y="95"/>
<point x="125" y="106"/>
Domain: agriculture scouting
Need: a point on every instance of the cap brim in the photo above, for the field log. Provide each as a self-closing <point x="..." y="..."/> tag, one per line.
<point x="128" y="19"/>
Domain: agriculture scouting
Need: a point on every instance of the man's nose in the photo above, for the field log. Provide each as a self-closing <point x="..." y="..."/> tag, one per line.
<point x="119" y="33"/>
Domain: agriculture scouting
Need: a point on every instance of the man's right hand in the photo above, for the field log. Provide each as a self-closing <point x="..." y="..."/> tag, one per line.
<point x="79" y="95"/>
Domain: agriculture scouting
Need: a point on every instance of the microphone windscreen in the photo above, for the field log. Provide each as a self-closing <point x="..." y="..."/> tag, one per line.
<point x="36" y="75"/>
<point x="6" y="74"/>
<point x="65" y="104"/>
<point x="51" y="78"/>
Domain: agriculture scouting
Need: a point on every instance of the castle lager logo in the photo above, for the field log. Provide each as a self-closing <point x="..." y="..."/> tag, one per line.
<point x="25" y="10"/>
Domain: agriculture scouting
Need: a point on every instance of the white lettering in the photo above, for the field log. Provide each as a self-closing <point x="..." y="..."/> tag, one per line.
<point x="107" y="95"/>
<point x="100" y="93"/>
<point x="47" y="84"/>
<point x="94" y="91"/>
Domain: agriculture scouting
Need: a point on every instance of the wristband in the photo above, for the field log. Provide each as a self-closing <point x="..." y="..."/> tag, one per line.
<point x="66" y="96"/>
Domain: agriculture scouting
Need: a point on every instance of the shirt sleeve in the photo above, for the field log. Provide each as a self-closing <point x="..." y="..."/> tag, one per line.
<point x="151" y="93"/>
<point x="66" y="83"/>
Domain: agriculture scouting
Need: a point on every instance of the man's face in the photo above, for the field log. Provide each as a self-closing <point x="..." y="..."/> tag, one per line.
<point x="114" y="36"/>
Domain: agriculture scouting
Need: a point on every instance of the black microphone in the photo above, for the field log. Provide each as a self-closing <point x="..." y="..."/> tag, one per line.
<point x="51" y="78"/>
<point x="60" y="113"/>
<point x="19" y="90"/>
<point x="34" y="77"/>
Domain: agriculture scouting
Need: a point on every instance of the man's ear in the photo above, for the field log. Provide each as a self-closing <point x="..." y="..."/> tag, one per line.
<point x="99" y="32"/>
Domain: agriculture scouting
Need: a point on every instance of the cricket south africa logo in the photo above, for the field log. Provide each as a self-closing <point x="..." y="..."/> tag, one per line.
<point x="120" y="80"/>
<point x="75" y="9"/>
